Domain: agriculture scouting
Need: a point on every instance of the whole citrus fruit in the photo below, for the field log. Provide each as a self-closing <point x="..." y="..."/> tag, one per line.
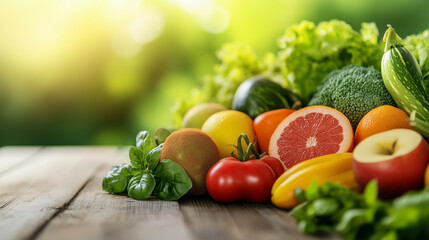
<point x="311" y="132"/>
<point x="381" y="119"/>
<point x="265" y="124"/>
<point x="197" y="115"/>
<point x="224" y="128"/>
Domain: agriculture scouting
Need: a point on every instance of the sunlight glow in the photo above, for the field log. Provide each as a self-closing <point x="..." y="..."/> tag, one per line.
<point x="147" y="26"/>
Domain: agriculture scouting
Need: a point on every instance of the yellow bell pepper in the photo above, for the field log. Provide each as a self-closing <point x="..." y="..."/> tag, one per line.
<point x="337" y="167"/>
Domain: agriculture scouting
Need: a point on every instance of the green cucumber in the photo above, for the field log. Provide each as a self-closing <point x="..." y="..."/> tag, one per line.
<point x="403" y="79"/>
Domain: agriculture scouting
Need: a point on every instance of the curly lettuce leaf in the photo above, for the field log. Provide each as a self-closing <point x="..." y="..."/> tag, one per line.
<point x="418" y="44"/>
<point x="309" y="52"/>
<point x="238" y="62"/>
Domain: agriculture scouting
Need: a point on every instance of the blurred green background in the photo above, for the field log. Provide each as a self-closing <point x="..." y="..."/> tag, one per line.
<point x="77" y="72"/>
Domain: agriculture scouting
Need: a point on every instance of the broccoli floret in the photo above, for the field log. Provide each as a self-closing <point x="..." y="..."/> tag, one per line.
<point x="354" y="91"/>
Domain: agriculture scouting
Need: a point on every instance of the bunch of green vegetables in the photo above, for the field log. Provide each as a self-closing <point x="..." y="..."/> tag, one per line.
<point x="335" y="208"/>
<point x="238" y="62"/>
<point x="308" y="52"/>
<point x="146" y="175"/>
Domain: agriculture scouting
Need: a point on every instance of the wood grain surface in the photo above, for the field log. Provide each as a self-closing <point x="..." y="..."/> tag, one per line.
<point x="55" y="193"/>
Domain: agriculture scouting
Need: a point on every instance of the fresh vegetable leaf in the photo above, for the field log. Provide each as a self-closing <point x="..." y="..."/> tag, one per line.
<point x="298" y="212"/>
<point x="325" y="206"/>
<point x="312" y="192"/>
<point x="141" y="186"/>
<point x="116" y="180"/>
<point x="370" y="194"/>
<point x="309" y="52"/>
<point x="137" y="157"/>
<point x="145" y="141"/>
<point x="237" y="62"/>
<point x="300" y="194"/>
<point x="172" y="182"/>
<point x="418" y="44"/>
<point x="353" y="219"/>
<point x="420" y="199"/>
<point x="153" y="157"/>
<point x="161" y="134"/>
<point x="362" y="216"/>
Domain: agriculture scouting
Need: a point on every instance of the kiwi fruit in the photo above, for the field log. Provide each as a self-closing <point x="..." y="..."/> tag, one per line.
<point x="195" y="151"/>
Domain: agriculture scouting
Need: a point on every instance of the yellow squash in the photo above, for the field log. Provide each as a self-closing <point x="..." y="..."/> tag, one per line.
<point x="335" y="167"/>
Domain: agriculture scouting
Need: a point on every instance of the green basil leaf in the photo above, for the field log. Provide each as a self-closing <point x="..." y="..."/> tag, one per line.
<point x="420" y="198"/>
<point x="141" y="186"/>
<point x="370" y="193"/>
<point x="325" y="206"/>
<point x="161" y="134"/>
<point x="312" y="191"/>
<point x="299" y="212"/>
<point x="117" y="178"/>
<point x="172" y="182"/>
<point x="153" y="156"/>
<point x="300" y="194"/>
<point x="354" y="218"/>
<point x="137" y="157"/>
<point x="145" y="141"/>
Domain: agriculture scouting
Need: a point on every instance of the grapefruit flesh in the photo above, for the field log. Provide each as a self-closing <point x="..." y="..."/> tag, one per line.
<point x="311" y="132"/>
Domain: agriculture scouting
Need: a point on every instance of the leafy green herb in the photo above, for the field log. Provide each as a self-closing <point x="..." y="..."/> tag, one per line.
<point x="137" y="157"/>
<point x="145" y="175"/>
<point x="141" y="186"/>
<point x="172" y="182"/>
<point x="116" y="180"/>
<point x="145" y="141"/>
<point x="153" y="156"/>
<point x="335" y="208"/>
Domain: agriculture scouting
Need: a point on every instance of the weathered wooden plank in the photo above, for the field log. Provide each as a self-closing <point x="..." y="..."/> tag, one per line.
<point x="287" y="225"/>
<point x="31" y="195"/>
<point x="210" y="220"/>
<point x="13" y="156"/>
<point x="94" y="214"/>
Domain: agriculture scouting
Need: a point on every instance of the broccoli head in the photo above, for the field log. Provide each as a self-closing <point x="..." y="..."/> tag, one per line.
<point x="354" y="91"/>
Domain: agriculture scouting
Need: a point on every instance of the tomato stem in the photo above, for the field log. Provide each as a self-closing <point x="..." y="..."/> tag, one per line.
<point x="246" y="155"/>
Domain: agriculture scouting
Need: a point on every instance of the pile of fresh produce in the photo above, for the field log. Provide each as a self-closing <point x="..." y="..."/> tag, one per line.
<point x="309" y="129"/>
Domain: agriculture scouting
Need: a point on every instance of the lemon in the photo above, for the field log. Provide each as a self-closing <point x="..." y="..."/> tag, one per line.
<point x="224" y="128"/>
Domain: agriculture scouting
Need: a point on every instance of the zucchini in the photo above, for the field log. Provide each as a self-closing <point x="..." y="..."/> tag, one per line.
<point x="403" y="79"/>
<point x="257" y="95"/>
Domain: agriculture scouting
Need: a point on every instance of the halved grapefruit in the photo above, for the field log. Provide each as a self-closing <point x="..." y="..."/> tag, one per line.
<point x="311" y="132"/>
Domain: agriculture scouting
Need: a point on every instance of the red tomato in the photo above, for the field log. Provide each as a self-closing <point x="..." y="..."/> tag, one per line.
<point x="231" y="180"/>
<point x="278" y="166"/>
<point x="265" y="124"/>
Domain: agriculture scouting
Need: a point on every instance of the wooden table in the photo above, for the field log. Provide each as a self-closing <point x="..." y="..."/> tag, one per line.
<point x="55" y="193"/>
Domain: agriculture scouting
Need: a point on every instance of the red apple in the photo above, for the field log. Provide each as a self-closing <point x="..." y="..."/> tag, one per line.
<point x="396" y="158"/>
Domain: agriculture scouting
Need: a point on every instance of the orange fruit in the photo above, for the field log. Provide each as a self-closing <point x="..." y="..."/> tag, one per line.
<point x="381" y="119"/>
<point x="265" y="124"/>
<point x="311" y="132"/>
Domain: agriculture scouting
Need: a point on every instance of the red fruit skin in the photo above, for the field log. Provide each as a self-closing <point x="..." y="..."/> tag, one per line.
<point x="396" y="176"/>
<point x="278" y="167"/>
<point x="230" y="180"/>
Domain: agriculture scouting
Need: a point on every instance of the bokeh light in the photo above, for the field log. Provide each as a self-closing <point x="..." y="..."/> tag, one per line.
<point x="78" y="72"/>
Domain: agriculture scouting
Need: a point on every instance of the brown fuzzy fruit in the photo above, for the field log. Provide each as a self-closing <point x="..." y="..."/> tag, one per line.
<point x="195" y="151"/>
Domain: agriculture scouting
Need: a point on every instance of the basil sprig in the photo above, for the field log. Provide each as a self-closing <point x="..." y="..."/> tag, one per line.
<point x="146" y="175"/>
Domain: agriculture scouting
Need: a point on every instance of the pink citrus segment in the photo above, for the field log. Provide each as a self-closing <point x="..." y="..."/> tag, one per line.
<point x="311" y="132"/>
